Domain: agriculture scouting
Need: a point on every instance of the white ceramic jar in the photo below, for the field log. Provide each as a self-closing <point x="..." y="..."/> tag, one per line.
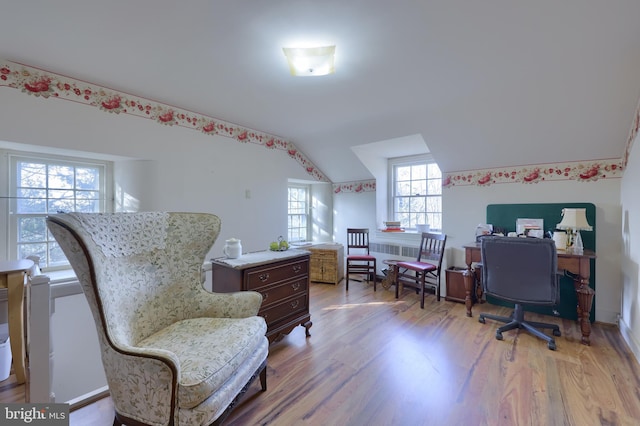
<point x="232" y="248"/>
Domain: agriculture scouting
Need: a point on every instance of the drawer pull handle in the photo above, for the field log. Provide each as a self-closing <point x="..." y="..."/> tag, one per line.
<point x="295" y="304"/>
<point x="265" y="296"/>
<point x="263" y="277"/>
<point x="295" y="286"/>
<point x="297" y="268"/>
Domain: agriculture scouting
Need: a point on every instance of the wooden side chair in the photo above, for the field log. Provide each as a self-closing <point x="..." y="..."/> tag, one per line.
<point x="359" y="261"/>
<point x="424" y="272"/>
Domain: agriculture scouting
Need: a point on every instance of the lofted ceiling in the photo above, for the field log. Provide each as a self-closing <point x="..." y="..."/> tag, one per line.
<point x="480" y="83"/>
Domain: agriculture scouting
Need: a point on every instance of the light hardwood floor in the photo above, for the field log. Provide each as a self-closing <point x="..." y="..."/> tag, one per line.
<point x="375" y="360"/>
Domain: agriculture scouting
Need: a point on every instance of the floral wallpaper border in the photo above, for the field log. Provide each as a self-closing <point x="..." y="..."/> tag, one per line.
<point x="582" y="171"/>
<point x="41" y="83"/>
<point x="358" y="186"/>
<point x="635" y="127"/>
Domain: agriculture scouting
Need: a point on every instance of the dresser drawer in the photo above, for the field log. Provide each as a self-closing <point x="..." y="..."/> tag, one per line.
<point x="283" y="309"/>
<point x="277" y="293"/>
<point x="264" y="276"/>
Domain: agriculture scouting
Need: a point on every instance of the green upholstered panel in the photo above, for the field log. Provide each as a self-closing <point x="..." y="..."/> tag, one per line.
<point x="505" y="215"/>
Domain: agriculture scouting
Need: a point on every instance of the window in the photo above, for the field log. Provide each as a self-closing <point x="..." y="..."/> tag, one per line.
<point x="298" y="211"/>
<point x="416" y="192"/>
<point x="41" y="186"/>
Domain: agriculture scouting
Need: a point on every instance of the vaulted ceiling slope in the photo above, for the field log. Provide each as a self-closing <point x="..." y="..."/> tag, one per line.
<point x="485" y="83"/>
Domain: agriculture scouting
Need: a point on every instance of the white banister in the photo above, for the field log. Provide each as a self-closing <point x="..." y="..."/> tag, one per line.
<point x="40" y="387"/>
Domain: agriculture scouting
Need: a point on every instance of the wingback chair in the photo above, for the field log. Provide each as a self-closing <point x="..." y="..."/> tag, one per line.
<point x="173" y="353"/>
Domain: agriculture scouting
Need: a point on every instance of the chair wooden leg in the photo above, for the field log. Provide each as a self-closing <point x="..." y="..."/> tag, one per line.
<point x="263" y="379"/>
<point x="348" y="273"/>
<point x="373" y="274"/>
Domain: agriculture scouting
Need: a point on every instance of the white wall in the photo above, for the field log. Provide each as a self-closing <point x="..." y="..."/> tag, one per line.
<point x="353" y="210"/>
<point x="171" y="168"/>
<point x="630" y="217"/>
<point x="167" y="168"/>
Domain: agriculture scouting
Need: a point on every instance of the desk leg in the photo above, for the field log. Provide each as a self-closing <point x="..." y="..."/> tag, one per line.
<point x="585" y="301"/>
<point x="468" y="287"/>
<point x="15" y="296"/>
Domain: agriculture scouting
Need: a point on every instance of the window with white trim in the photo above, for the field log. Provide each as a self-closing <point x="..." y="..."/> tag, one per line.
<point x="46" y="185"/>
<point x="298" y="213"/>
<point x="415" y="192"/>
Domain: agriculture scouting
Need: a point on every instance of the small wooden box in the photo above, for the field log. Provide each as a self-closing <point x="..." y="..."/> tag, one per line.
<point x="327" y="263"/>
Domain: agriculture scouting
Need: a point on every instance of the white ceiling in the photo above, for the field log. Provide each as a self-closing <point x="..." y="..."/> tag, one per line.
<point x="484" y="83"/>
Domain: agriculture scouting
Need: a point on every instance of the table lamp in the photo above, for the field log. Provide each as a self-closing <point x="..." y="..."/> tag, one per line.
<point x="574" y="221"/>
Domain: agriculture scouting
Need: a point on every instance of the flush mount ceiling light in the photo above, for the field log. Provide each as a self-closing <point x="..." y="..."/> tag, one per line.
<point x="310" y="61"/>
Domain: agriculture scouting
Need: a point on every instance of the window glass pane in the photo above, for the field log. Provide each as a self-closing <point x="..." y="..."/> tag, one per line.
<point x="61" y="176"/>
<point x="40" y="250"/>
<point x="32" y="175"/>
<point x="403" y="173"/>
<point x="417" y="204"/>
<point x="403" y="188"/>
<point x="298" y="210"/>
<point x="87" y="178"/>
<point x="418" y="187"/>
<point x="419" y="172"/>
<point x="434" y="171"/>
<point x="56" y="256"/>
<point x="49" y="186"/>
<point x="434" y="204"/>
<point x="31" y="200"/>
<point x="61" y="201"/>
<point x="32" y="229"/>
<point x="417" y="193"/>
<point x="435" y="186"/>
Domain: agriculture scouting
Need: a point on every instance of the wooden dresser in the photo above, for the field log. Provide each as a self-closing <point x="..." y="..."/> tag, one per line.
<point x="281" y="277"/>
<point x="327" y="263"/>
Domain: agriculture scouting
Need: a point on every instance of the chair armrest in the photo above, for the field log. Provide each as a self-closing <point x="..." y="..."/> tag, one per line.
<point x="239" y="304"/>
<point x="142" y="376"/>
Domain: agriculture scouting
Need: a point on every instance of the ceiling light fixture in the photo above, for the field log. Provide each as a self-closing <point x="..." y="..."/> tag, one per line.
<point x="310" y="61"/>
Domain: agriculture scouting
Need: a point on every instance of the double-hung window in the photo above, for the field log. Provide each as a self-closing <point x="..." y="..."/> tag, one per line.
<point x="415" y="192"/>
<point x="44" y="185"/>
<point x="298" y="213"/>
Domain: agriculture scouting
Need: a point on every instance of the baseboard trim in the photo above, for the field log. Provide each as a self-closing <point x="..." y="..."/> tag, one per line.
<point x="628" y="337"/>
<point x="88" y="398"/>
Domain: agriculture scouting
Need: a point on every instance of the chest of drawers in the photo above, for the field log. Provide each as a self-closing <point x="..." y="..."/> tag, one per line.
<point x="283" y="280"/>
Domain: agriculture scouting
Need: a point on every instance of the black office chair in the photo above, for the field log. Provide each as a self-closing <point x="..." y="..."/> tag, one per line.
<point x="523" y="271"/>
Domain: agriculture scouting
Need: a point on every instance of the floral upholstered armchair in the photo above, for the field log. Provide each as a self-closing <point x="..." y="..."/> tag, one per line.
<point x="173" y="353"/>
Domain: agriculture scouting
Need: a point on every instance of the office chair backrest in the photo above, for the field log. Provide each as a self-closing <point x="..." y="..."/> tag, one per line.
<point x="358" y="239"/>
<point x="520" y="270"/>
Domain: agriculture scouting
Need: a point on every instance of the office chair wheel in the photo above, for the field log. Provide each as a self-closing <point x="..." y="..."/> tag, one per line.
<point x="556" y="332"/>
<point x="482" y="320"/>
<point x="552" y="345"/>
<point x="498" y="335"/>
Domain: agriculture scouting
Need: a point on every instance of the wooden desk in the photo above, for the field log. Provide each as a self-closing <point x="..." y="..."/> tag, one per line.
<point x="578" y="264"/>
<point x="12" y="276"/>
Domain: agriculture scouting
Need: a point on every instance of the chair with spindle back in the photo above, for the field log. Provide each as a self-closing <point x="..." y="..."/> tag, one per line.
<point x="359" y="261"/>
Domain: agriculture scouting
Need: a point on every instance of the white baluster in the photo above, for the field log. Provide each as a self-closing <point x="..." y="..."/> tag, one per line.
<point x="40" y="341"/>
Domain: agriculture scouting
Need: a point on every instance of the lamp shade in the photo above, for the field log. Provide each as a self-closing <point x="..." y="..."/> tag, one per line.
<point x="575" y="219"/>
<point x="310" y="61"/>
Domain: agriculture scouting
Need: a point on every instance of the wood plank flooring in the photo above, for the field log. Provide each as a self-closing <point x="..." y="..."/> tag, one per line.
<point x="375" y="360"/>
